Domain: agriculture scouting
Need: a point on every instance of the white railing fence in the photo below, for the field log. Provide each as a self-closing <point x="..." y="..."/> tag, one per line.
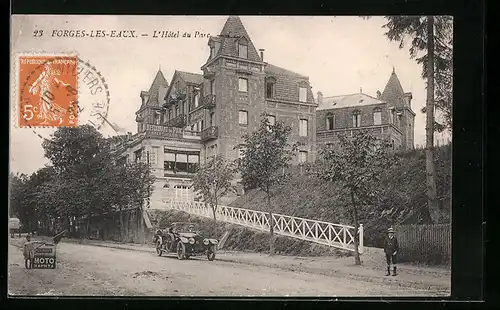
<point x="334" y="235"/>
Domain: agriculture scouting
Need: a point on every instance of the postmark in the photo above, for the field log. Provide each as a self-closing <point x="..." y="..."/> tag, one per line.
<point x="78" y="92"/>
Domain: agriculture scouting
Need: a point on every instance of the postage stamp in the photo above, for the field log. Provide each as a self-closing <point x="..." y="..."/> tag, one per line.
<point x="59" y="90"/>
<point x="48" y="91"/>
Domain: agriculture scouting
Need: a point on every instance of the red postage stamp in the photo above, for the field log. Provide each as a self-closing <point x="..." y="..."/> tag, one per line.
<point x="48" y="91"/>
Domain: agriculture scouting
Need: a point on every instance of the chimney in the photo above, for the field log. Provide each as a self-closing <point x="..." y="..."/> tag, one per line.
<point x="129" y="135"/>
<point x="379" y="94"/>
<point x="261" y="50"/>
<point x="320" y="97"/>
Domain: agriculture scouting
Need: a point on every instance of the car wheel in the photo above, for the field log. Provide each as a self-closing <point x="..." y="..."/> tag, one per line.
<point x="158" y="246"/>
<point x="181" y="250"/>
<point x="211" y="253"/>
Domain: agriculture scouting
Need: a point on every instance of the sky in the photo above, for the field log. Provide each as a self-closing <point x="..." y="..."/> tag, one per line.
<point x="340" y="55"/>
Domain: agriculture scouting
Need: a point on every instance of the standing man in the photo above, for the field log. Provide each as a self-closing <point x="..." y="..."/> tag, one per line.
<point x="391" y="248"/>
<point x="27" y="248"/>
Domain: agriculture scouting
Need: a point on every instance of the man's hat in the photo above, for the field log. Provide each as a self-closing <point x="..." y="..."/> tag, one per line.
<point x="390" y="230"/>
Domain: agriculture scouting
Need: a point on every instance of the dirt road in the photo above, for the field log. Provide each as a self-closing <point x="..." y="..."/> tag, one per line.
<point x="85" y="270"/>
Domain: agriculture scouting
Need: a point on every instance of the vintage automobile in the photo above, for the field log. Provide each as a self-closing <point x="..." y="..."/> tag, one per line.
<point x="185" y="240"/>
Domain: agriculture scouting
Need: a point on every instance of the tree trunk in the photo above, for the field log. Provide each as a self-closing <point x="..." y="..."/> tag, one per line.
<point x="121" y="225"/>
<point x="214" y="208"/>
<point x="357" y="259"/>
<point x="432" y="202"/>
<point x="271" y="225"/>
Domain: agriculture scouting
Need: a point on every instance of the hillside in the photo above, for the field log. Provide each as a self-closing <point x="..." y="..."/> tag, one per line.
<point x="242" y="238"/>
<point x="401" y="197"/>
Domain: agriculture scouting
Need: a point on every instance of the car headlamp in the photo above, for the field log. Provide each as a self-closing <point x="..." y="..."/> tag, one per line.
<point x="205" y="241"/>
<point x="191" y="240"/>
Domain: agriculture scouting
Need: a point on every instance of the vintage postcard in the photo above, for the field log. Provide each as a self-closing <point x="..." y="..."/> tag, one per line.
<point x="284" y="156"/>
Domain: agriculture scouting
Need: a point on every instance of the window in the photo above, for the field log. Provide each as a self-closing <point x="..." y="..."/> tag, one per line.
<point x="169" y="163"/>
<point x="212" y="119"/>
<point x="269" y="89"/>
<point x="330" y="122"/>
<point x="196" y="100"/>
<point x="303" y="128"/>
<point x="243" y="85"/>
<point x="302" y="157"/>
<point x="271" y="119"/>
<point x="138" y="156"/>
<point x="157" y="117"/>
<point x="212" y="51"/>
<point x="356" y="119"/>
<point x="243" y="118"/>
<point x="153" y="155"/>
<point x="303" y="94"/>
<point x="212" y="89"/>
<point x="377" y="117"/>
<point x="202" y="124"/>
<point x="242" y="49"/>
<point x="169" y="114"/>
<point x="181" y="163"/>
<point x="391" y="115"/>
<point x="193" y="163"/>
<point x="177" y="110"/>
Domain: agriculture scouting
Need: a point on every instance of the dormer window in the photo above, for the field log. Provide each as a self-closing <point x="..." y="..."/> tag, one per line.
<point x="330" y="121"/>
<point x="242" y="48"/>
<point x="212" y="52"/>
<point x="196" y="100"/>
<point x="270" y="82"/>
<point x="303" y="92"/>
<point x="377" y="116"/>
<point x="356" y="119"/>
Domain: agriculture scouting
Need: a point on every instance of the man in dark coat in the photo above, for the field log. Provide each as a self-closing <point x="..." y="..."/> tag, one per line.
<point x="391" y="248"/>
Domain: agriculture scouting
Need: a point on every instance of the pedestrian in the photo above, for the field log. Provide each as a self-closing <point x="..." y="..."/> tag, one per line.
<point x="27" y="251"/>
<point x="391" y="248"/>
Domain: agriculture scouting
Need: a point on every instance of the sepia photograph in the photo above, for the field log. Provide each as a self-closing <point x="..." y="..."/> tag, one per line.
<point x="232" y="156"/>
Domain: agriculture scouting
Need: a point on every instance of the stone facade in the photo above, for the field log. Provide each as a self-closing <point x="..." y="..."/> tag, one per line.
<point x="388" y="116"/>
<point x="182" y="124"/>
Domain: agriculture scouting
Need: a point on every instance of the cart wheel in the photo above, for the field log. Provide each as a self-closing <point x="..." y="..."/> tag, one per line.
<point x="211" y="254"/>
<point x="158" y="246"/>
<point x="181" y="250"/>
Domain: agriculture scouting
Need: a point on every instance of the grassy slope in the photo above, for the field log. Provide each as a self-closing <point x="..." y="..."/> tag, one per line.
<point x="401" y="197"/>
<point x="242" y="238"/>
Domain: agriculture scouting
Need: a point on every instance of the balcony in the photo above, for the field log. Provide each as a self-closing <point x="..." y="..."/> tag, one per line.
<point x="180" y="121"/>
<point x="208" y="102"/>
<point x="210" y="133"/>
<point x="175" y="97"/>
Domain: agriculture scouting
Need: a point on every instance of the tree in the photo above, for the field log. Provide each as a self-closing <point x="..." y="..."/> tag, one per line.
<point x="417" y="28"/>
<point x="266" y="153"/>
<point x="89" y="181"/>
<point x="213" y="181"/>
<point x="433" y="36"/>
<point x="355" y="166"/>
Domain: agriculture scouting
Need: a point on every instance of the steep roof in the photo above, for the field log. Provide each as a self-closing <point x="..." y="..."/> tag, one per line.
<point x="231" y="33"/>
<point x="272" y="69"/>
<point x="351" y="100"/>
<point x="158" y="82"/>
<point x="189" y="77"/>
<point x="287" y="83"/>
<point x="393" y="91"/>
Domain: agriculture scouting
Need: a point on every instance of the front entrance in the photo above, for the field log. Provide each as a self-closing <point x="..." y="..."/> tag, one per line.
<point x="182" y="194"/>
